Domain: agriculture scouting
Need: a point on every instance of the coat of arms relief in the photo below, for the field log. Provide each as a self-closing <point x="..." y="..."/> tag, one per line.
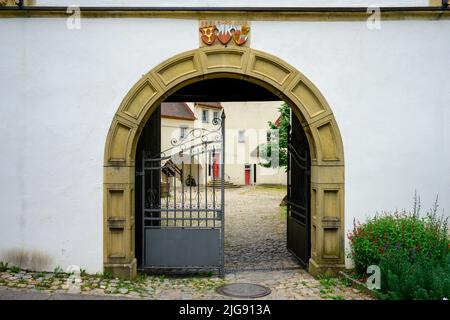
<point x="224" y="32"/>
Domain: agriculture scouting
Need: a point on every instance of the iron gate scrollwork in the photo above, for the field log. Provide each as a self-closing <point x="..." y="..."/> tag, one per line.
<point x="183" y="217"/>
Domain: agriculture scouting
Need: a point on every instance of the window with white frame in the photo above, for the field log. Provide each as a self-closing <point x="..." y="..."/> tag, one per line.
<point x="205" y="115"/>
<point x="183" y="132"/>
<point x="241" y="136"/>
<point x="215" y="115"/>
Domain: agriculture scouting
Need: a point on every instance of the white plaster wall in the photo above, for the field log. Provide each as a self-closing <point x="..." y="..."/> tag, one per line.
<point x="389" y="92"/>
<point x="59" y="90"/>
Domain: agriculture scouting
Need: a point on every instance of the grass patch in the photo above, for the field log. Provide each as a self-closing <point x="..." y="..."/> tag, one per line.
<point x="345" y="281"/>
<point x="105" y="275"/>
<point x="14" y="269"/>
<point x="271" y="186"/>
<point x="337" y="297"/>
<point x="283" y="212"/>
<point x="3" y="266"/>
<point x="140" y="278"/>
<point x="327" y="281"/>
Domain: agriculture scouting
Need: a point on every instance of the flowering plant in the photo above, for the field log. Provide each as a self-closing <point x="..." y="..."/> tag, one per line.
<point x="400" y="231"/>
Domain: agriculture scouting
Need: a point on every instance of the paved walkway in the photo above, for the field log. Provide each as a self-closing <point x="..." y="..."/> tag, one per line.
<point x="284" y="284"/>
<point x="255" y="230"/>
<point x="255" y="252"/>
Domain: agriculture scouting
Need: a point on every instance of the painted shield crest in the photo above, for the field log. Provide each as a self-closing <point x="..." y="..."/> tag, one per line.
<point x="240" y="34"/>
<point x="208" y="34"/>
<point x="224" y="33"/>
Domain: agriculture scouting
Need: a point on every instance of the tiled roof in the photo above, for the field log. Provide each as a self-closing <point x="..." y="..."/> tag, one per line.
<point x="211" y="104"/>
<point x="176" y="110"/>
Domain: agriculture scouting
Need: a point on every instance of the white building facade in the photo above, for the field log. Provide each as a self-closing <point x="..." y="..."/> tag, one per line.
<point x="386" y="84"/>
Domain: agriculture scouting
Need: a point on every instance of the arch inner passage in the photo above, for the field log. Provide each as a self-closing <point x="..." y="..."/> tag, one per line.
<point x="210" y="74"/>
<point x="259" y="233"/>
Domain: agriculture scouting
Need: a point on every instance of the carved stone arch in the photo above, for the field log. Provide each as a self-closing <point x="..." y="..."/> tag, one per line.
<point x="270" y="72"/>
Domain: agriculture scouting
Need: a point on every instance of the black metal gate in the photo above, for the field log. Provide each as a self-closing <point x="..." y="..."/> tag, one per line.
<point x="182" y="210"/>
<point x="298" y="200"/>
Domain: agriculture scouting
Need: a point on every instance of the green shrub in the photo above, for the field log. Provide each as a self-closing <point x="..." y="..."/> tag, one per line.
<point x="403" y="231"/>
<point x="414" y="277"/>
<point x="412" y="253"/>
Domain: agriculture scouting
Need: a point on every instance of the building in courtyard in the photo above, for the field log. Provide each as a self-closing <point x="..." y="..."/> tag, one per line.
<point x="247" y="130"/>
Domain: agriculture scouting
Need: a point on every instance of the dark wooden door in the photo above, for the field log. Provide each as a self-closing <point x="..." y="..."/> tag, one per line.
<point x="298" y="202"/>
<point x="150" y="143"/>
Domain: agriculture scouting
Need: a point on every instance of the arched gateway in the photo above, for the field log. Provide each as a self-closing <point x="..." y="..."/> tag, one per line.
<point x="310" y="107"/>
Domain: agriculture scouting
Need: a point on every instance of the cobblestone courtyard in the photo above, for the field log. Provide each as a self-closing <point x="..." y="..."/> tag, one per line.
<point x="255" y="252"/>
<point x="255" y="229"/>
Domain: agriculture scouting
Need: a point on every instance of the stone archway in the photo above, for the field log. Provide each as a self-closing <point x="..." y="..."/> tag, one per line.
<point x="316" y="117"/>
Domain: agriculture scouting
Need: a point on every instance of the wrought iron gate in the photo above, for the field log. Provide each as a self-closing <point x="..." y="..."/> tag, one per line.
<point x="182" y="207"/>
<point x="298" y="197"/>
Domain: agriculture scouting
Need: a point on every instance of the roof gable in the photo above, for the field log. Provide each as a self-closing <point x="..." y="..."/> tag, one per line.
<point x="177" y="110"/>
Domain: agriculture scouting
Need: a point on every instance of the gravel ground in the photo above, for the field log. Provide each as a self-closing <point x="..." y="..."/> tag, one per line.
<point x="255" y="230"/>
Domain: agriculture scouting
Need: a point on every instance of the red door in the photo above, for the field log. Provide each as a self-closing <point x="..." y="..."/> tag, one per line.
<point x="247" y="176"/>
<point x="216" y="167"/>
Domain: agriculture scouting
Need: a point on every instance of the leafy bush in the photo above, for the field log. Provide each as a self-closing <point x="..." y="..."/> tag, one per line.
<point x="414" y="277"/>
<point x="403" y="231"/>
<point x="412" y="252"/>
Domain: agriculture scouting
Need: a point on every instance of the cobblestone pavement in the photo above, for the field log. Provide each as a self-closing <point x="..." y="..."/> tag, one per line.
<point x="255" y="247"/>
<point x="255" y="230"/>
<point x="284" y="284"/>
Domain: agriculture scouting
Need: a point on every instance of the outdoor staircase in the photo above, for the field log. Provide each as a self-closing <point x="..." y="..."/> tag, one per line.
<point x="216" y="183"/>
